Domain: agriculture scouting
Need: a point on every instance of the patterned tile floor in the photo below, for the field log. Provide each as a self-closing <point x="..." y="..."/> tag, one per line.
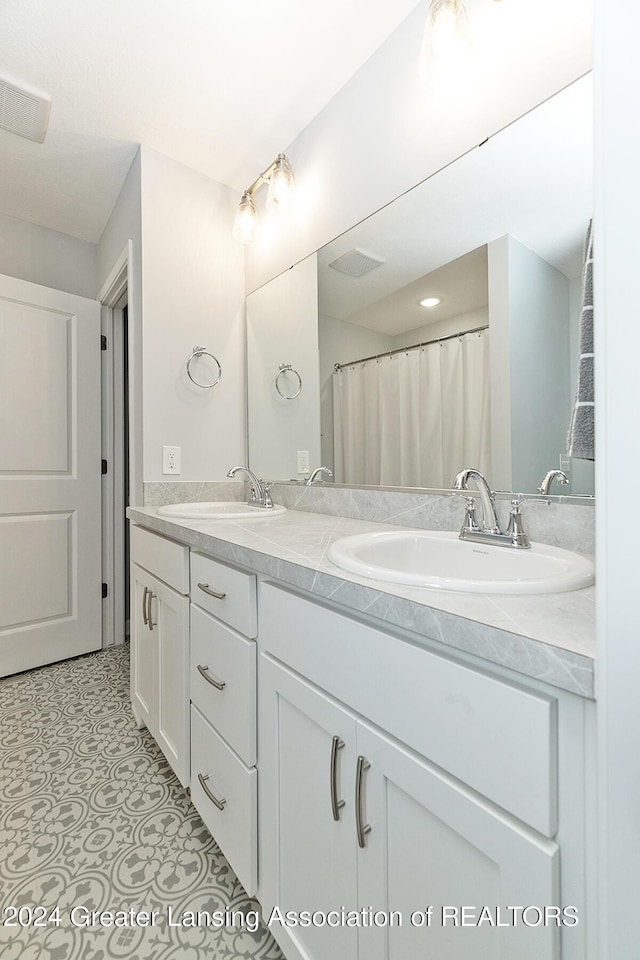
<point x="92" y="818"/>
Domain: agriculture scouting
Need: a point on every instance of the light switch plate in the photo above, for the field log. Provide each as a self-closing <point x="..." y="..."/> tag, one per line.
<point x="171" y="459"/>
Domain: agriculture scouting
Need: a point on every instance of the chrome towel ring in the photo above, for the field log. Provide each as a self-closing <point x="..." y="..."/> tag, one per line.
<point x="284" y="369"/>
<point x="203" y="352"/>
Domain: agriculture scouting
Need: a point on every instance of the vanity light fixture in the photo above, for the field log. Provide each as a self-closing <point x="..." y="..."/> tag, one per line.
<point x="279" y="176"/>
<point x="446" y="34"/>
<point x="245" y="226"/>
<point x="430" y="302"/>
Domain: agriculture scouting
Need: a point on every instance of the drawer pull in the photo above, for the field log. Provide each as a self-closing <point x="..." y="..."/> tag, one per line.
<point x="336" y="805"/>
<point x="218" y="684"/>
<point x="362" y="828"/>
<point x="144" y="606"/>
<point x="203" y="783"/>
<point x="211" y="593"/>
<point x="150" y="623"/>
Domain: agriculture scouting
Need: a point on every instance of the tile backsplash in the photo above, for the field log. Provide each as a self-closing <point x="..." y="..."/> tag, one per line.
<point x="158" y="494"/>
<point x="568" y="525"/>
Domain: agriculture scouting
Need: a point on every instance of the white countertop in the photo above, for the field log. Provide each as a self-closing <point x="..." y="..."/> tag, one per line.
<point x="549" y="637"/>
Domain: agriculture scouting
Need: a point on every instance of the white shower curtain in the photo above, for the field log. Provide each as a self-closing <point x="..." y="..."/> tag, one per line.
<point x="414" y="419"/>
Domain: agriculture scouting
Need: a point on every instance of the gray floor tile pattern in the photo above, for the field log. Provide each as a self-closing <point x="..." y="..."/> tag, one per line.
<point x="91" y="815"/>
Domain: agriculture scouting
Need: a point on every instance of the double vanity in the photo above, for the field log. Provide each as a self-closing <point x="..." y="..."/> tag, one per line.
<point x="358" y="744"/>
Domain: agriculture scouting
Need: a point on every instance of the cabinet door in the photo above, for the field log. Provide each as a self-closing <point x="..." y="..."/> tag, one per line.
<point x="143" y="651"/>
<point x="307" y="858"/>
<point x="170" y="627"/>
<point x="159" y="671"/>
<point x="434" y="843"/>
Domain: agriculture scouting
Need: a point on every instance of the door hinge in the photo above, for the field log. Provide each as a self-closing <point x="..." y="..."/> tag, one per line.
<point x="105" y="591"/>
<point x="103" y="342"/>
<point x="104" y="466"/>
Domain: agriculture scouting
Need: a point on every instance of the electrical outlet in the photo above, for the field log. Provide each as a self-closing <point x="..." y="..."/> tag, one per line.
<point x="303" y="461"/>
<point x="565" y="464"/>
<point x="171" y="459"/>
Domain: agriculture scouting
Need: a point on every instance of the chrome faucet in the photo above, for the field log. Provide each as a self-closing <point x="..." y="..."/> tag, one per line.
<point x="549" y="477"/>
<point x="260" y="495"/>
<point x="316" y="473"/>
<point x="488" y="530"/>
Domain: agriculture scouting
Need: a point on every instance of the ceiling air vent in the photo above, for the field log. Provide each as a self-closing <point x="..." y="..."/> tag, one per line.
<point x="356" y="263"/>
<point x="23" y="112"/>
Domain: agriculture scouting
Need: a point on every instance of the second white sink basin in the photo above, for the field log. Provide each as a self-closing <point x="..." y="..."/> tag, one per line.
<point x="442" y="561"/>
<point x="220" y="510"/>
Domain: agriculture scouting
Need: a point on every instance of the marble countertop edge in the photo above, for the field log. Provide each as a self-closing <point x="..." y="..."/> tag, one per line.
<point x="549" y="638"/>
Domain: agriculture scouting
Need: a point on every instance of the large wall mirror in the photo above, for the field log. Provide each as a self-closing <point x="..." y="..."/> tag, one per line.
<point x="397" y="392"/>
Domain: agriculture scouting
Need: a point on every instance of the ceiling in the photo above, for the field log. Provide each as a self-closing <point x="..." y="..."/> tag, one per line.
<point x="221" y="86"/>
<point x="461" y="286"/>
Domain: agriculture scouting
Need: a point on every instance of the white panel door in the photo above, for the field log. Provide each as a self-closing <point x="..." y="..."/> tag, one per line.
<point x="50" y="478"/>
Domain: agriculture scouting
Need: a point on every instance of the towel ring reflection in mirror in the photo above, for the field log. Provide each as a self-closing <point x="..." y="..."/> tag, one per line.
<point x="203" y="352"/>
<point x="283" y="370"/>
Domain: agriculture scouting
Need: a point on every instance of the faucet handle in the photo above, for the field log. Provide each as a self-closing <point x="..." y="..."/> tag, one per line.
<point x="515" y="530"/>
<point x="266" y="494"/>
<point x="470" y="524"/>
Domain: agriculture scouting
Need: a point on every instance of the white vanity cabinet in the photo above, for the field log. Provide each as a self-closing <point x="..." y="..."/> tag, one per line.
<point x="395" y="779"/>
<point x="160" y="643"/>
<point x="223" y="710"/>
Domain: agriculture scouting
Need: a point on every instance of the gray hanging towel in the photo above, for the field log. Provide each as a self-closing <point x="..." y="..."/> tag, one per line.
<point x="580" y="440"/>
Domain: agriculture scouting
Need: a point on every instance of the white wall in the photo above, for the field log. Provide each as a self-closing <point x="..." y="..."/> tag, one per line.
<point x="124" y="225"/>
<point x="192" y="295"/>
<point x="187" y="289"/>
<point x="443" y="328"/>
<point x="339" y="342"/>
<point x="45" y="256"/>
<point x="617" y="348"/>
<point x="380" y="135"/>
<point x="282" y="327"/>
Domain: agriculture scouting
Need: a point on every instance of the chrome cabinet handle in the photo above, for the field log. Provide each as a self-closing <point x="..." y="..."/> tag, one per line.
<point x="218" y="684"/>
<point x="203" y="783"/>
<point x="336" y="805"/>
<point x="150" y="622"/>
<point x="144" y="606"/>
<point x="212" y="593"/>
<point x="362" y="829"/>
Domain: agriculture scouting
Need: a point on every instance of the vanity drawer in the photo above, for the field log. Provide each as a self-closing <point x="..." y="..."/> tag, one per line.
<point x="165" y="559"/>
<point x="224" y="657"/>
<point x="234" y="827"/>
<point x="238" y="605"/>
<point x="495" y="736"/>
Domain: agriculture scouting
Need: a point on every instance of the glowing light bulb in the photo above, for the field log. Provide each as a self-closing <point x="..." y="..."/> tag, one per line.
<point x="281" y="185"/>
<point x="246" y="223"/>
<point x="446" y="42"/>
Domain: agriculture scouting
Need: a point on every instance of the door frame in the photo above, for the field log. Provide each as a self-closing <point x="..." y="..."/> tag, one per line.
<point x="118" y="290"/>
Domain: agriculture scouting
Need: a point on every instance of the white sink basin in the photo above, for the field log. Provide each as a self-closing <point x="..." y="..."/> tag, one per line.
<point x="220" y="510"/>
<point x="442" y="561"/>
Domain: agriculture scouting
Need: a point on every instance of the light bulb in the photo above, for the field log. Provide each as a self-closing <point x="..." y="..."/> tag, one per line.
<point x="281" y="185"/>
<point x="246" y="223"/>
<point x="446" y="35"/>
<point x="430" y="302"/>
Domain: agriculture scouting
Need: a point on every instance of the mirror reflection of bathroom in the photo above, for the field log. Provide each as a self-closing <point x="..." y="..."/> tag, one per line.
<point x="497" y="238"/>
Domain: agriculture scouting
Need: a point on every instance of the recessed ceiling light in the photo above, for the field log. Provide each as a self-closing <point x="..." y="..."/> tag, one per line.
<point x="430" y="302"/>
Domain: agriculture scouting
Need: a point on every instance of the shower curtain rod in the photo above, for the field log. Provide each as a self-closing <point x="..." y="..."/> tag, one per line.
<point x="414" y="346"/>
